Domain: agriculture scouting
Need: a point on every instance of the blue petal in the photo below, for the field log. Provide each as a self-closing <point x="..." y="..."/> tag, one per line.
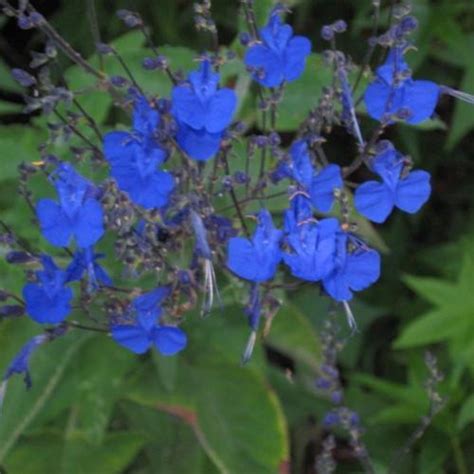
<point x="302" y="167"/>
<point x="154" y="192"/>
<point x="241" y="259"/>
<point x="362" y="269"/>
<point x="145" y="118"/>
<point x="376" y="98"/>
<point x="276" y="34"/>
<point x="300" y="211"/>
<point x="261" y="57"/>
<point x="221" y="108"/>
<point x="297" y="50"/>
<point x="323" y="186"/>
<point x="169" y="340"/>
<point x="421" y="98"/>
<point x="198" y="144"/>
<point x="394" y="62"/>
<point x="54" y="223"/>
<point x="89" y="223"/>
<point x="413" y="191"/>
<point x="187" y="108"/>
<point x="374" y="200"/>
<point x="133" y="338"/>
<point x="204" y="80"/>
<point x="119" y="147"/>
<point x="337" y="286"/>
<point x="151" y="300"/>
<point x="44" y="309"/>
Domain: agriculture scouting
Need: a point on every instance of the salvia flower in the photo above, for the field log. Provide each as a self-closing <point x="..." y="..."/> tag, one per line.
<point x="202" y="112"/>
<point x="321" y="184"/>
<point x="279" y="56"/>
<point x="406" y="191"/>
<point x="20" y="364"/>
<point x="48" y="300"/>
<point x="256" y="259"/>
<point x="354" y="268"/>
<point x="135" y="158"/>
<point x="78" y="214"/>
<point x="394" y="91"/>
<point x="312" y="249"/>
<point x="146" y="331"/>
<point x="85" y="261"/>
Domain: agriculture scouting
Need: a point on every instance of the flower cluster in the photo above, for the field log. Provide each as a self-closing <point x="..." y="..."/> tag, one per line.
<point x="176" y="202"/>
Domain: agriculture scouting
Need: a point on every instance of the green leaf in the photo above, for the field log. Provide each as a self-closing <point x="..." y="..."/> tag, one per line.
<point x="466" y="415"/>
<point x="463" y="119"/>
<point x="92" y="386"/>
<point x="47" y="453"/>
<point x="454" y="313"/>
<point x="18" y="143"/>
<point x="302" y="95"/>
<point x="21" y="407"/>
<point x="171" y="444"/>
<point x="234" y="415"/>
<point x="293" y="334"/>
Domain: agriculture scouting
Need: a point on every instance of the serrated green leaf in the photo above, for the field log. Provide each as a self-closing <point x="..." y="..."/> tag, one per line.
<point x="454" y="315"/>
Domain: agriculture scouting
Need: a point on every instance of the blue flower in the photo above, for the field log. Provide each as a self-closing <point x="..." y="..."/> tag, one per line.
<point x="20" y="363"/>
<point x="376" y="200"/>
<point x="279" y="56"/>
<point x="300" y="212"/>
<point x="78" y="213"/>
<point x="323" y="185"/>
<point x="256" y="259"/>
<point x="320" y="185"/>
<point x="301" y="167"/>
<point x="135" y="157"/>
<point x="86" y="261"/>
<point x="202" y="112"/>
<point x="49" y="300"/>
<point x="145" y="331"/>
<point x="394" y="90"/>
<point x="313" y="246"/>
<point x="354" y="267"/>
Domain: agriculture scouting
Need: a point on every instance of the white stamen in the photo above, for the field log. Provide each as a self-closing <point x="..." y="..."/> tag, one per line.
<point x="464" y="96"/>
<point x="247" y="354"/>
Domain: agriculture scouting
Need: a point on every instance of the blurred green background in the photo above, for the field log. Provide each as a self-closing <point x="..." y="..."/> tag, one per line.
<point x="95" y="408"/>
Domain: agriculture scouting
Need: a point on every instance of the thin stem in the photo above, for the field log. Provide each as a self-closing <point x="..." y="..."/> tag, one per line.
<point x="127" y="71"/>
<point x="77" y="132"/>
<point x="94" y="24"/>
<point x="234" y="197"/>
<point x="458" y="456"/>
<point x="370" y="51"/>
<point x="250" y="18"/>
<point x="85" y="327"/>
<point x="67" y="49"/>
<point x="253" y="198"/>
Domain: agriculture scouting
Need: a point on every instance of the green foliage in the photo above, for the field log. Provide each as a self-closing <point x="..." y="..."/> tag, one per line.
<point x="96" y="408"/>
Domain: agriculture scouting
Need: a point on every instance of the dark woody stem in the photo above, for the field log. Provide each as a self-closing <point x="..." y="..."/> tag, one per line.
<point x="365" y="153"/>
<point x="370" y="51"/>
<point x="77" y="325"/>
<point x="155" y="51"/>
<point x="78" y="133"/>
<point x="234" y="197"/>
<point x="250" y="18"/>
<point x="67" y="49"/>
<point x="92" y="16"/>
